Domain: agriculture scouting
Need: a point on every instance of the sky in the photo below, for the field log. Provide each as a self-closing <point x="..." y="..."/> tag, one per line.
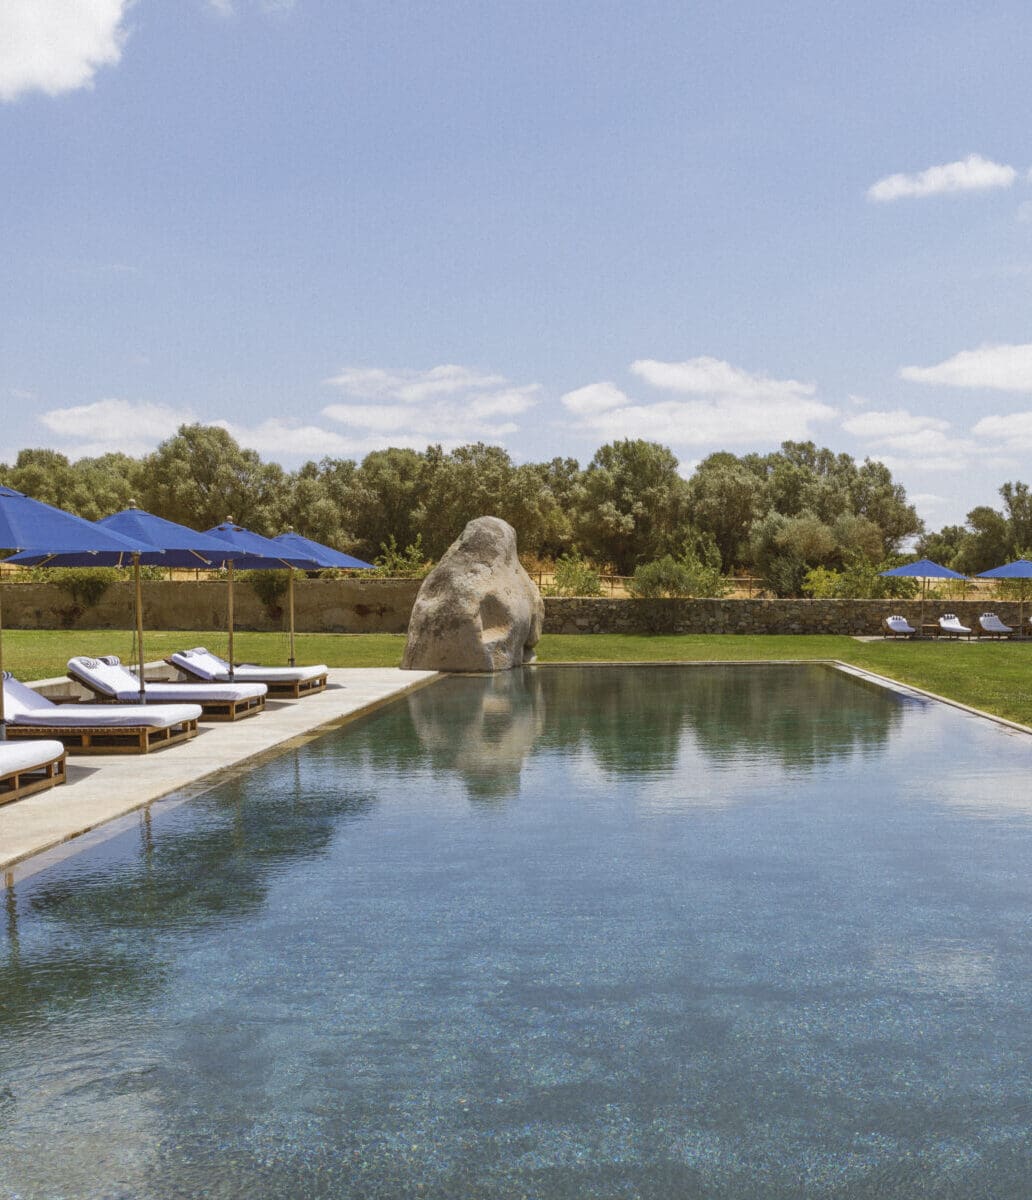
<point x="333" y="226"/>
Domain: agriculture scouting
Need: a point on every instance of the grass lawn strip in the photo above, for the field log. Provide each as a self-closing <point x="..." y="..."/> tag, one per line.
<point x="991" y="675"/>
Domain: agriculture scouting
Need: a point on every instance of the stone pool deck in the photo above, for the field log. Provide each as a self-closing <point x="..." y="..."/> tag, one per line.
<point x="102" y="787"/>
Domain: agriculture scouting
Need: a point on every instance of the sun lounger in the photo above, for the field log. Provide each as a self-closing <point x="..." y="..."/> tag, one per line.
<point x="97" y="728"/>
<point x="950" y="625"/>
<point x="27" y="767"/>
<point x="992" y="626"/>
<point x="107" y="679"/>
<point x="896" y="626"/>
<point x="293" y="682"/>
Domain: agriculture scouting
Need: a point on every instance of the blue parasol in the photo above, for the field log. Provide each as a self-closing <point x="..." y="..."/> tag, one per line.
<point x="326" y="556"/>
<point x="43" y="533"/>
<point x="924" y="569"/>
<point x="252" y="552"/>
<point x="1021" y="569"/>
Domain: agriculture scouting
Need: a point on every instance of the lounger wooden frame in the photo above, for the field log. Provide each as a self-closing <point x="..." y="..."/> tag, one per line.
<point x="279" y="689"/>
<point x="27" y="780"/>
<point x="212" y="710"/>
<point x="110" y="739"/>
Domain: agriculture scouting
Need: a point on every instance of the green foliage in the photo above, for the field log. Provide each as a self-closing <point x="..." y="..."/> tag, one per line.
<point x="631" y="505"/>
<point x="85" y="586"/>
<point x="410" y="563"/>
<point x="269" y="586"/>
<point x="686" y="576"/>
<point x="574" y="576"/>
<point x="859" y="580"/>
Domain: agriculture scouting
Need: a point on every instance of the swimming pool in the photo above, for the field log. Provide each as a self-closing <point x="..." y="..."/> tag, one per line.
<point x="569" y="932"/>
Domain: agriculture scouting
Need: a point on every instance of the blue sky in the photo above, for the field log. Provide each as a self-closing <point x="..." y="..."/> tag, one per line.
<point x="335" y="226"/>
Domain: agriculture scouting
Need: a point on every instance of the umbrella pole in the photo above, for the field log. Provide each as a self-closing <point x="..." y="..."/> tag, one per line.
<point x="229" y="612"/>
<point x="139" y="624"/>
<point x="290" y="606"/>
<point x="924" y="593"/>
<point x="3" y="723"/>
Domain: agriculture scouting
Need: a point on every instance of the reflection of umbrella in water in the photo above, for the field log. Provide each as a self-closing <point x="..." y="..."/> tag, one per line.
<point x="44" y="533"/>
<point x="924" y="569"/>
<point x="1020" y="569"/>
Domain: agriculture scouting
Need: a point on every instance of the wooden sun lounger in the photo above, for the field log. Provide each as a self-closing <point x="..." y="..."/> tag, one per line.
<point x="213" y="708"/>
<point x="276" y="679"/>
<point x="37" y="777"/>
<point x="109" y="739"/>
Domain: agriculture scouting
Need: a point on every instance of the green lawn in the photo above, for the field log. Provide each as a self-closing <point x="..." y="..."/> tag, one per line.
<point x="995" y="676"/>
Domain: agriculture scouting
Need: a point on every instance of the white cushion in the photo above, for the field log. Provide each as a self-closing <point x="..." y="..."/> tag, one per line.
<point x="26" y="708"/>
<point x="109" y="676"/>
<point x="24" y="756"/>
<point x="202" y="662"/>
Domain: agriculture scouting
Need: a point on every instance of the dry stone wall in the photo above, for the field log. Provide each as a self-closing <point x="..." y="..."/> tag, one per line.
<point x="320" y="606"/>
<point x="854" y="617"/>
<point x="384" y="605"/>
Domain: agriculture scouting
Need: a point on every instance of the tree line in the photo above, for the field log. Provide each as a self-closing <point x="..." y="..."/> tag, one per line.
<point x="778" y="515"/>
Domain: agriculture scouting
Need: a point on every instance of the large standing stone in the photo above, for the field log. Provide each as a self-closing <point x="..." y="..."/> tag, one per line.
<point x="478" y="610"/>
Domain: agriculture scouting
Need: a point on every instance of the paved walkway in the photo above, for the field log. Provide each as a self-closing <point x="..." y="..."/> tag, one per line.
<point x="103" y="787"/>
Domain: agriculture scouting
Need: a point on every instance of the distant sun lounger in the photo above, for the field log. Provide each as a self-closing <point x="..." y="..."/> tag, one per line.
<point x="97" y="728"/>
<point x="27" y="767"/>
<point x="991" y="624"/>
<point x="897" y="626"/>
<point x="292" y="682"/>
<point x="107" y="679"/>
<point x="950" y="624"/>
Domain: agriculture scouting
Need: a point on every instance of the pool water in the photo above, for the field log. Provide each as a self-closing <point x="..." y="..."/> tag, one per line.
<point x="565" y="933"/>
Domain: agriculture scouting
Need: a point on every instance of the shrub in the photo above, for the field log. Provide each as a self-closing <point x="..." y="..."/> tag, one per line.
<point x="410" y="563"/>
<point x="574" y="576"/>
<point x="861" y="580"/>
<point x="685" y="576"/>
<point x="269" y="587"/>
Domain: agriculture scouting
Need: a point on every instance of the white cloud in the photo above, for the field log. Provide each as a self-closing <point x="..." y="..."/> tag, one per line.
<point x="56" y="46"/>
<point x="720" y="404"/>
<point x="1003" y="367"/>
<point x="879" y="426"/>
<point x="278" y="439"/>
<point x="973" y="173"/>
<point x="911" y="441"/>
<point x="109" y="425"/>
<point x="449" y="404"/>
<point x="1013" y="431"/>
<point x="594" y="398"/>
<point x="714" y="377"/>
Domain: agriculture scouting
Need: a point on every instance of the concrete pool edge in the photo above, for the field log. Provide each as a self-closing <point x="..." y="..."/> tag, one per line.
<point x="47" y="827"/>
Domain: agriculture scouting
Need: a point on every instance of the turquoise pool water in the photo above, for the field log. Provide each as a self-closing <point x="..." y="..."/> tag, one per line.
<point x="664" y="932"/>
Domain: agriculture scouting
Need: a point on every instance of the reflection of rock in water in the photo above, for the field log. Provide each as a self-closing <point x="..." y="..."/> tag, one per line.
<point x="636" y="719"/>
<point x="482" y="729"/>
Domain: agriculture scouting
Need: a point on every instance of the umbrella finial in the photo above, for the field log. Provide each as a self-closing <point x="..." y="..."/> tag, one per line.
<point x="132" y="503"/>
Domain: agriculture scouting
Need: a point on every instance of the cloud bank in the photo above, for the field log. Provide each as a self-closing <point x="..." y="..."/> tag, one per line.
<point x="56" y="46"/>
<point x="713" y="403"/>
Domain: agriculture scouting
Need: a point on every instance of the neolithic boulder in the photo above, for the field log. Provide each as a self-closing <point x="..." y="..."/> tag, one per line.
<point x="478" y="610"/>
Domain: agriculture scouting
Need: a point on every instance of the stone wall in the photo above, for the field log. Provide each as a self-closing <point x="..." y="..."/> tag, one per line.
<point x="320" y="606"/>
<point x="756" y="616"/>
<point x="384" y="605"/>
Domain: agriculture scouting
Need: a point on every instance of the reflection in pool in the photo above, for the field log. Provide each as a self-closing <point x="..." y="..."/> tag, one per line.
<point x="664" y="932"/>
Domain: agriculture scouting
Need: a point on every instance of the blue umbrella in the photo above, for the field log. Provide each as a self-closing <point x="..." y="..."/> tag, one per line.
<point x="924" y="569"/>
<point x="42" y="532"/>
<point x="251" y="551"/>
<point x="326" y="556"/>
<point x="1021" y="569"/>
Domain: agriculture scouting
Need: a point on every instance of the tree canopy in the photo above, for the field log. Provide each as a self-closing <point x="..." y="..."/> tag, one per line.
<point x="778" y="514"/>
